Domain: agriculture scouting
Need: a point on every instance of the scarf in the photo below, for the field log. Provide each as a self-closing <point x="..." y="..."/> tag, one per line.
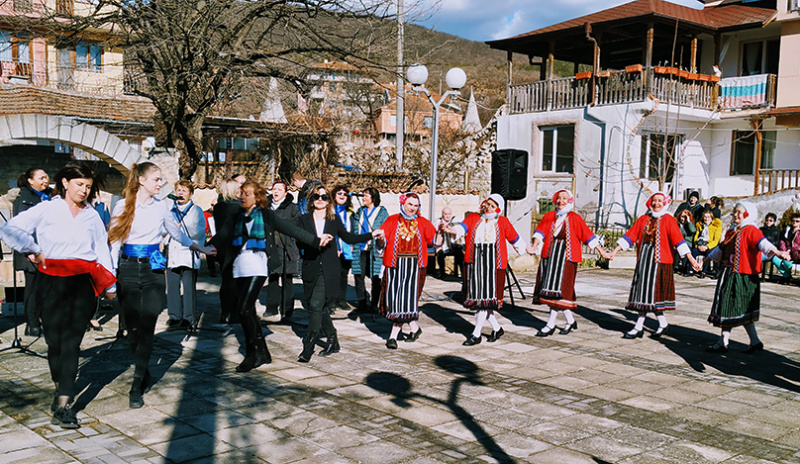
<point x="664" y="209"/>
<point x="43" y="195"/>
<point x="366" y="217"/>
<point x="253" y="239"/>
<point x="346" y="249"/>
<point x="561" y="214"/>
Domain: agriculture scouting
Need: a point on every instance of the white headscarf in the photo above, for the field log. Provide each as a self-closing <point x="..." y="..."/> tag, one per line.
<point x="495" y="197"/>
<point x="570" y="204"/>
<point x="664" y="210"/>
<point x="750" y="215"/>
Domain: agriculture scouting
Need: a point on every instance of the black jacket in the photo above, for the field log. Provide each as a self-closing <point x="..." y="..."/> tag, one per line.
<point x="223" y="241"/>
<point x="223" y="212"/>
<point x="26" y="200"/>
<point x="327" y="258"/>
<point x="773" y="234"/>
<point x="285" y="255"/>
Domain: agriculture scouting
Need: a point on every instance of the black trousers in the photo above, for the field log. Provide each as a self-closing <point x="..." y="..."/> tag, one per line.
<point x="361" y="289"/>
<point x="141" y="295"/>
<point x="227" y="297"/>
<point x="280" y="295"/>
<point x="457" y="252"/>
<point x="247" y="290"/>
<point x="319" y="318"/>
<point x="67" y="304"/>
<point x="32" y="312"/>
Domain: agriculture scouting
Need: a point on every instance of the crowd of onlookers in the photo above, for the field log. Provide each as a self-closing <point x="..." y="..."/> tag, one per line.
<point x="702" y="229"/>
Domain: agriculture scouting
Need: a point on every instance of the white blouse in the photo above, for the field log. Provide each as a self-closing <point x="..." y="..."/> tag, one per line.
<point x="60" y="235"/>
<point x="149" y="222"/>
<point x="249" y="262"/>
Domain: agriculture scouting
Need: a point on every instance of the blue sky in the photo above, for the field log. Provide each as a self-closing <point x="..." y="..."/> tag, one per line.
<point x="496" y="19"/>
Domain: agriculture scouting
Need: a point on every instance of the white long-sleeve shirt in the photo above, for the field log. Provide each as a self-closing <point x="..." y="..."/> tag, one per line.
<point x="179" y="255"/>
<point x="59" y="234"/>
<point x="148" y="222"/>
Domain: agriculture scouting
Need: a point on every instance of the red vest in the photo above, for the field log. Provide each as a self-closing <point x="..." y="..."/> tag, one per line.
<point x="746" y="257"/>
<point x="424" y="238"/>
<point x="577" y="232"/>
<point x="504" y="231"/>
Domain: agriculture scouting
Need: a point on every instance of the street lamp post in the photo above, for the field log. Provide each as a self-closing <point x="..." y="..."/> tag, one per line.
<point x="455" y="78"/>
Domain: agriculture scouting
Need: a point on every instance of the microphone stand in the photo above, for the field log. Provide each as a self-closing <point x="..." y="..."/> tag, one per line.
<point x="511" y="278"/>
<point x="17" y="343"/>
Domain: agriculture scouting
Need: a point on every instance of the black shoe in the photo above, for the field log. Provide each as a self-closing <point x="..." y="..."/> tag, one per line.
<point x="54" y="406"/>
<point x="496" y="334"/>
<point x="333" y="347"/>
<point x="135" y="400"/>
<point x="251" y="361"/>
<point x="568" y="328"/>
<point x="33" y="330"/>
<point x="302" y="359"/>
<point x="391" y="344"/>
<point x="631" y="335"/>
<point x="173" y="323"/>
<point x="661" y="331"/>
<point x="717" y="349"/>
<point x="185" y="324"/>
<point x="545" y="333"/>
<point x="65" y="417"/>
<point x="754" y="348"/>
<point x="412" y="337"/>
<point x="472" y="340"/>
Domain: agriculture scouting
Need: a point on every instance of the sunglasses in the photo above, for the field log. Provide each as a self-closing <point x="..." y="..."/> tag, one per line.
<point x="323" y="197"/>
<point x="341" y="194"/>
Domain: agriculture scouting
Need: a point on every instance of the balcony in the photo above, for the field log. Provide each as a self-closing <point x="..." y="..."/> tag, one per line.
<point x="14" y="70"/>
<point x="667" y="85"/>
<point x="775" y="180"/>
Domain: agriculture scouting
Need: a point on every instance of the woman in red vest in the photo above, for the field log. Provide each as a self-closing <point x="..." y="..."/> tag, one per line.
<point x="486" y="260"/>
<point x="656" y="235"/>
<point x="561" y="233"/>
<point x="407" y="238"/>
<point x="738" y="294"/>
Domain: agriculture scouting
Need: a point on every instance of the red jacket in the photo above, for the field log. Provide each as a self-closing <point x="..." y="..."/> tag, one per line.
<point x="577" y="232"/>
<point x="425" y="234"/>
<point x="746" y="257"/>
<point x="504" y="231"/>
<point x="668" y="237"/>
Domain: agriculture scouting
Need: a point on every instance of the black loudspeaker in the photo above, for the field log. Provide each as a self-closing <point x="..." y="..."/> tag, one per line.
<point x="510" y="173"/>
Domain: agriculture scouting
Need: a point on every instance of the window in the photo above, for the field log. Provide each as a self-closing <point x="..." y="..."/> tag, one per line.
<point x="393" y="123"/>
<point x="5" y="46"/>
<point x="658" y="156"/>
<point x="558" y="148"/>
<point x="744" y="152"/>
<point x="88" y="56"/>
<point x="760" y="57"/>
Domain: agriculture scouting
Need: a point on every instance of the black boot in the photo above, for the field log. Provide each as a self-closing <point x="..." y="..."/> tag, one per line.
<point x="333" y="346"/>
<point x="135" y="400"/>
<point x="309" y="342"/>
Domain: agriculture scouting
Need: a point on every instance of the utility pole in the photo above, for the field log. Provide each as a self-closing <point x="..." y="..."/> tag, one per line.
<point x="400" y="126"/>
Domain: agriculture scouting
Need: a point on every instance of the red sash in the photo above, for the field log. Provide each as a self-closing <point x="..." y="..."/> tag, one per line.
<point x="101" y="277"/>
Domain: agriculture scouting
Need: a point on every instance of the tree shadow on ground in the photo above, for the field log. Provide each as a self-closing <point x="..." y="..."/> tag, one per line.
<point x="468" y="373"/>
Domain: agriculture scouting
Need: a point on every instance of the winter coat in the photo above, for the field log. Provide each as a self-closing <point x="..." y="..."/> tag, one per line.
<point x="792" y="246"/>
<point x="194" y="226"/>
<point x="26" y="200"/>
<point x="283" y="259"/>
<point x="714" y="233"/>
<point x="378" y="218"/>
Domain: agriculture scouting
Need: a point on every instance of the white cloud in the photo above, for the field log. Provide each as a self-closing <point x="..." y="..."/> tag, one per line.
<point x="514" y="25"/>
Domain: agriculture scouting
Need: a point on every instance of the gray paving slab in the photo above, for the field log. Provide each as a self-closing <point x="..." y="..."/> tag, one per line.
<point x="586" y="397"/>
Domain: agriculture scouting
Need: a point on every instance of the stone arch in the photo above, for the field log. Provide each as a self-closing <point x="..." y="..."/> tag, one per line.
<point x="118" y="153"/>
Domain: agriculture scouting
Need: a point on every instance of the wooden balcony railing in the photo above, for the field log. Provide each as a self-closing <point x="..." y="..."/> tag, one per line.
<point x="65" y="7"/>
<point x="775" y="180"/>
<point x="15" y="68"/>
<point x="667" y="85"/>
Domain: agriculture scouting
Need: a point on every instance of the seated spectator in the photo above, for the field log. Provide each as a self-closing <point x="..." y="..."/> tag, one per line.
<point x="445" y="244"/>
<point x="688" y="229"/>
<point x="709" y="231"/>
<point x="791" y="238"/>
<point x="773" y="233"/>
<point x="715" y="205"/>
<point x="694" y="206"/>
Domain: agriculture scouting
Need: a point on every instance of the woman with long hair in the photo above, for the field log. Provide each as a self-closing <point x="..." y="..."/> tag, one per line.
<point x="226" y="209"/>
<point x="34" y="188"/>
<point x="737" y="299"/>
<point x="366" y="259"/>
<point x="408" y="236"/>
<point x="656" y="235"/>
<point x="343" y="207"/>
<point x="561" y="233"/>
<point x="135" y="236"/>
<point x="322" y="271"/>
<point x="71" y="249"/>
<point x="246" y="242"/>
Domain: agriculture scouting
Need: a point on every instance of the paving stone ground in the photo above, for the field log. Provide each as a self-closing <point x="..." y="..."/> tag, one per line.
<point x="587" y="397"/>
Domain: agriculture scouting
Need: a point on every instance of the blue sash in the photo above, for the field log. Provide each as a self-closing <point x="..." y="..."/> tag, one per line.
<point x="158" y="261"/>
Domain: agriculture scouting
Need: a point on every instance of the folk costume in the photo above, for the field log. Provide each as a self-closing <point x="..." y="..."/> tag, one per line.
<point x="657" y="236"/>
<point x="486" y="259"/>
<point x="737" y="298"/>
<point x="561" y="233"/>
<point x="405" y="261"/>
<point x="76" y="271"/>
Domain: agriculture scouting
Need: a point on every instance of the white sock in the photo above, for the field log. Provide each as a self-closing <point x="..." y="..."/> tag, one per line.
<point x="480" y="318"/>
<point x="551" y="321"/>
<point x="662" y="320"/>
<point x="639" y="323"/>
<point x="726" y="337"/>
<point x="568" y="317"/>
<point x="413" y="326"/>
<point x="395" y="330"/>
<point x="751" y="332"/>
<point x="493" y="321"/>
